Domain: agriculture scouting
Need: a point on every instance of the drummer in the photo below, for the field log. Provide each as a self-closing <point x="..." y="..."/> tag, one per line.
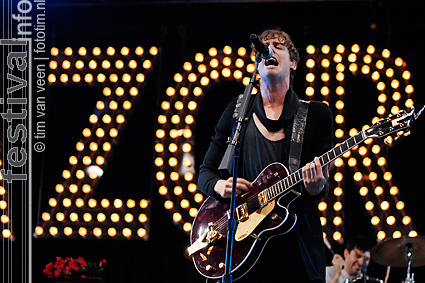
<point x="356" y="252"/>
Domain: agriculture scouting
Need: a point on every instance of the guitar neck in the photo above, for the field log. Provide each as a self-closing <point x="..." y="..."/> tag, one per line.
<point x="296" y="177"/>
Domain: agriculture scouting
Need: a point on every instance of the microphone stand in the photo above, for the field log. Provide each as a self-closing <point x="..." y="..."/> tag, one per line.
<point x="230" y="163"/>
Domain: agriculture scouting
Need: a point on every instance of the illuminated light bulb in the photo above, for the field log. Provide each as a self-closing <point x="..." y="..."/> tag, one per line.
<point x="175" y="119"/>
<point x="76" y="78"/>
<point x="178" y="190"/>
<point x="168" y="204"/>
<point x="337" y="206"/>
<point x="113" y="132"/>
<point x="173" y="161"/>
<point x="66" y="174"/>
<point x="186" y="147"/>
<point x="174" y="176"/>
<point x="323" y="221"/>
<point x="112" y="232"/>
<point x="339" y="119"/>
<point x="66" y="64"/>
<point x="388" y="176"/>
<point x="386" y="53"/>
<point x="375" y="76"/>
<point x="159" y="161"/>
<point x="64" y="78"/>
<point x="189" y="119"/>
<point x="380" y="64"/>
<point x="363" y="191"/>
<point x="367" y="161"/>
<point x="310" y="49"/>
<point x="375" y="220"/>
<point x="227" y="50"/>
<point x="192" y="105"/>
<point x="352" y="162"/>
<point x="187" y="66"/>
<point x="353" y="67"/>
<point x="369" y="205"/>
<point x="184" y="203"/>
<point x="59" y="187"/>
<point x="390" y="220"/>
<point x="408" y="103"/>
<point x="97" y="231"/>
<point x="86" y="189"/>
<point x="309" y="77"/>
<point x="355" y="48"/>
<point x="177" y="217"/>
<point x="80" y="174"/>
<point x="118" y="203"/>
<point x="394" y="109"/>
<point x="381" y="110"/>
<point x="51" y="78"/>
<point x="357" y="176"/>
<point x="340" y="48"/>
<point x="212" y="51"/>
<point x="104" y="203"/>
<point x="325" y="49"/>
<point x="205" y="81"/>
<point x="406" y="220"/>
<point x="338" y="191"/>
<point x="347" y="154"/>
<point x="160" y="133"/>
<point x="72" y="160"/>
<point x="309" y="91"/>
<point x="400" y="205"/>
<point x="119" y="64"/>
<point x="373" y="176"/>
<point x="53" y="231"/>
<point x="100" y="132"/>
<point x="322" y="206"/>
<point x="380" y="86"/>
<point x="143" y="218"/>
<point x="339" y="162"/>
<point x="115" y="217"/>
<point x="353" y="132"/>
<point x="214" y="74"/>
<point x="54" y="51"/>
<point x="82" y="231"/>
<point x="340" y="67"/>
<point x="79" y="202"/>
<point x="337" y="58"/>
<point x="188" y="176"/>
<point x="199" y="198"/>
<point x="413" y="234"/>
<point x="141" y="232"/>
<point x="310" y="63"/>
<point x="227" y="61"/>
<point x="193" y="212"/>
<point x="199" y="57"/>
<point x="92" y="203"/>
<point x="406" y="75"/>
<point x="337" y="221"/>
<point x="395" y="83"/>
<point x="337" y="236"/>
<point x="339" y="133"/>
<point x="352" y="57"/>
<point x="144" y="203"/>
<point x="92" y="64"/>
<point x="409" y="89"/>
<point x="385" y="205"/>
<point x="45" y="216"/>
<point x="382" y="98"/>
<point x="87" y="217"/>
<point x="38" y="230"/>
<point x="159" y="147"/>
<point x="379" y="190"/>
<point x="226" y="72"/>
<point x="147" y="64"/>
<point x="187" y="226"/>
<point x="101" y="217"/>
<point x="339" y="104"/>
<point x="389" y="72"/>
<point x="73" y="188"/>
<point x="120" y="119"/>
<point x="370" y="49"/>
<point x="242" y="51"/>
<point x="153" y="50"/>
<point x="325" y="63"/>
<point x="365" y="69"/>
<point x="397" y="234"/>
<point x="192" y="187"/>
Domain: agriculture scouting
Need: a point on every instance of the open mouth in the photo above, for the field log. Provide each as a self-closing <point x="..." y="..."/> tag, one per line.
<point x="271" y="62"/>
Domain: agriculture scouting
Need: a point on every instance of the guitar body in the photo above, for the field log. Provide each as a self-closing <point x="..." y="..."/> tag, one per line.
<point x="268" y="221"/>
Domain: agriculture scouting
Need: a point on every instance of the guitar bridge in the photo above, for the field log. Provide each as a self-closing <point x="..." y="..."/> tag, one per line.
<point x="242" y="212"/>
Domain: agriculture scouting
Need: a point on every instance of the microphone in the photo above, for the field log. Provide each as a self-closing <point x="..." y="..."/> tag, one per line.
<point x="261" y="47"/>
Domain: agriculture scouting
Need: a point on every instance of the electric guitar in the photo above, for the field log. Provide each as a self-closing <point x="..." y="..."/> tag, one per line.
<point x="263" y="212"/>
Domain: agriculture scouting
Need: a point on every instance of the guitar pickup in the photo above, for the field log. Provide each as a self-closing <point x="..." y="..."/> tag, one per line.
<point x="242" y="212"/>
<point x="262" y="198"/>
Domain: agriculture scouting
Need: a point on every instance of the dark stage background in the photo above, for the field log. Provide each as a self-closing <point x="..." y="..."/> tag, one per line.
<point x="181" y="29"/>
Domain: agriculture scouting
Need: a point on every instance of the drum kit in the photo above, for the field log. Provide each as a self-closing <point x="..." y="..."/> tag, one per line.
<point x="405" y="252"/>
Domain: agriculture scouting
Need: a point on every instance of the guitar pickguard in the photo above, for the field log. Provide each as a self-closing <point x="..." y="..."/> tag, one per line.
<point x="246" y="227"/>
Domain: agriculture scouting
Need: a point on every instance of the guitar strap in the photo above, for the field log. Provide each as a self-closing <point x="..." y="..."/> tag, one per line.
<point x="297" y="138"/>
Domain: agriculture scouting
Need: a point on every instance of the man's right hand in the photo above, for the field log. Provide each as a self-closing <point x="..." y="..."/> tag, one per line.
<point x="224" y="187"/>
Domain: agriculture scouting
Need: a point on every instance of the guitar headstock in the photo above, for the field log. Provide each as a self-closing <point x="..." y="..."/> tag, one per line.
<point x="392" y="125"/>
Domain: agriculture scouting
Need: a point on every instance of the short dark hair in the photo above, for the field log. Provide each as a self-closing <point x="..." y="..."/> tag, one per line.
<point x="359" y="242"/>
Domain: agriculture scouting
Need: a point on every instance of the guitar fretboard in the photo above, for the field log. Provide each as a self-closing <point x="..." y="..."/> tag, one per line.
<point x="284" y="185"/>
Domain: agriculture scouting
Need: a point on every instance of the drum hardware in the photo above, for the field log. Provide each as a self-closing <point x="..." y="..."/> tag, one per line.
<point x="402" y="252"/>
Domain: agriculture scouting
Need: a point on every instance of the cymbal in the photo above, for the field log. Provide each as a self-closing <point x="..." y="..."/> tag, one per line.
<point x="393" y="252"/>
